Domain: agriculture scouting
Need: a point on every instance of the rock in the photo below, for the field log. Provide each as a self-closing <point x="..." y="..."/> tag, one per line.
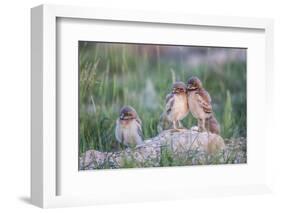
<point x="169" y="147"/>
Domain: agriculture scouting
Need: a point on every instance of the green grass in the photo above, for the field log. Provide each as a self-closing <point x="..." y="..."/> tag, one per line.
<point x="114" y="75"/>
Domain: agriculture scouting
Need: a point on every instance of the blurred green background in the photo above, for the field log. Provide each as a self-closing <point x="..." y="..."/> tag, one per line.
<point x="113" y="75"/>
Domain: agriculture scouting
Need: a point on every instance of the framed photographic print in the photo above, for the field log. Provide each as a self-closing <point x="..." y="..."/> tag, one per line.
<point x="145" y="105"/>
<point x="131" y="105"/>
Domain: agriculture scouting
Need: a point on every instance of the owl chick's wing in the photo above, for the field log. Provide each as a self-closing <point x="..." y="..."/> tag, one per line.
<point x="118" y="132"/>
<point x="169" y="102"/>
<point x="163" y="123"/>
<point x="204" y="99"/>
<point x="139" y="124"/>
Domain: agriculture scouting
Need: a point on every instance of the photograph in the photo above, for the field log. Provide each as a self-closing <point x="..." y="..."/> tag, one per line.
<point x="161" y="105"/>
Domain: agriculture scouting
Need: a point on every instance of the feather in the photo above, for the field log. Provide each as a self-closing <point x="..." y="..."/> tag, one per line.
<point x="204" y="100"/>
<point x="139" y="129"/>
<point x="118" y="132"/>
<point x="128" y="130"/>
<point x="212" y="125"/>
<point x="140" y="132"/>
<point x="138" y="120"/>
<point x="169" y="102"/>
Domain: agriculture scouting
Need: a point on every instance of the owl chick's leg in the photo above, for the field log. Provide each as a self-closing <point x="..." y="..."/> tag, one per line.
<point x="175" y="128"/>
<point x="200" y="121"/>
<point x="201" y="124"/>
<point x="180" y="126"/>
<point x="175" y="125"/>
<point x="207" y="125"/>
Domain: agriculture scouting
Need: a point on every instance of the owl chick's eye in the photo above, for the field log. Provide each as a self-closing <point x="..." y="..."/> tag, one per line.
<point x="127" y="116"/>
<point x="180" y="90"/>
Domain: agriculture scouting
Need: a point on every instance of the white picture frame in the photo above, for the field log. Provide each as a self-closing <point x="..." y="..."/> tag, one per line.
<point x="45" y="178"/>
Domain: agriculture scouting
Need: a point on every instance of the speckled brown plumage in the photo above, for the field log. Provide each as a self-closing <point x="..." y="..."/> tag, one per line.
<point x="177" y="104"/>
<point x="200" y="105"/>
<point x="128" y="128"/>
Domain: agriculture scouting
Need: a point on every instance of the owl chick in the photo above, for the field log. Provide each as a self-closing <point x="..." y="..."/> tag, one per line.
<point x="128" y="130"/>
<point x="200" y="106"/>
<point x="177" y="104"/>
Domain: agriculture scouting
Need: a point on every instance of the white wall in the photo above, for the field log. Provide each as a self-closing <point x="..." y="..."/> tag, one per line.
<point x="15" y="98"/>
